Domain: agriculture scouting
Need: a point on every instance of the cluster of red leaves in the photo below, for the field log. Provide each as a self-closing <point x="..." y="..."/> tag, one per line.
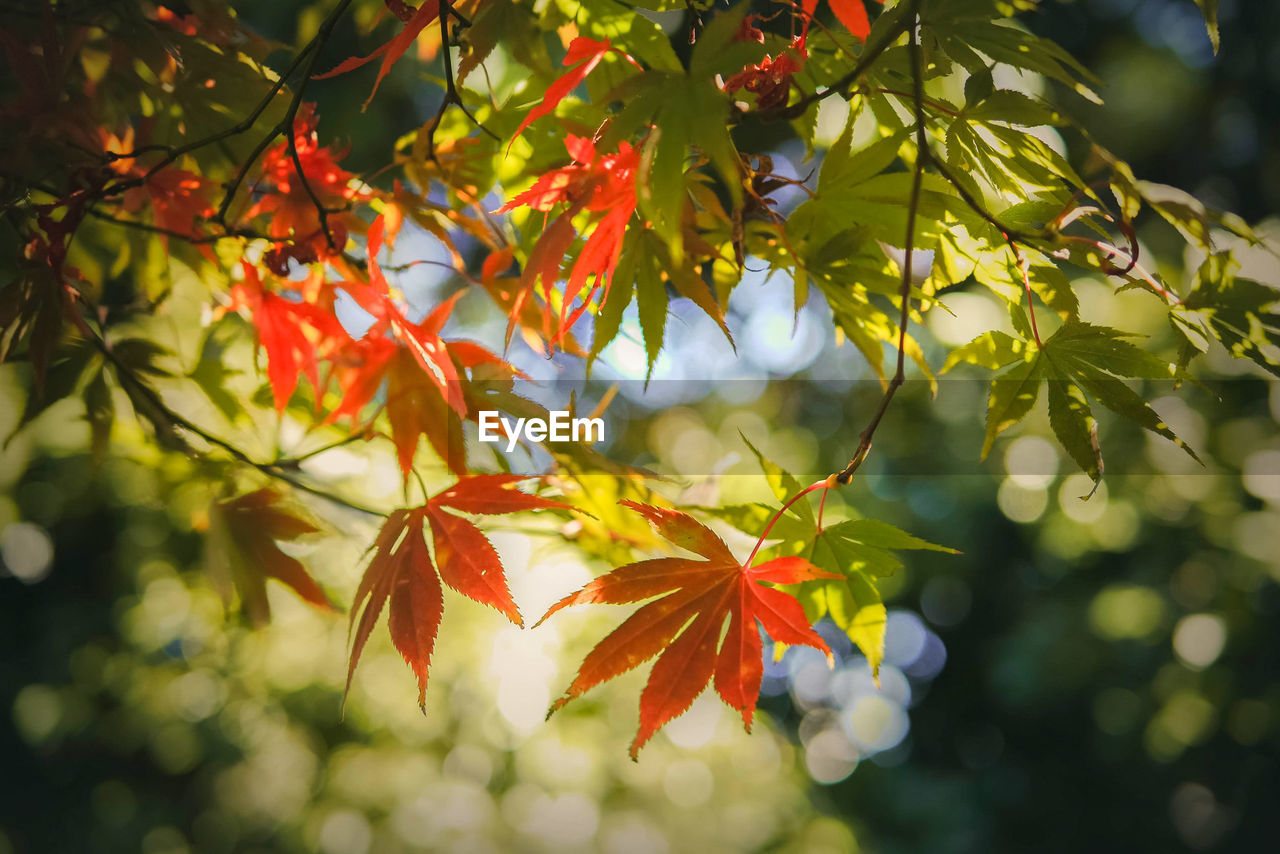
<point x="424" y="374"/>
<point x="683" y="627"/>
<point x="401" y="570"/>
<point x="295" y="333"/>
<point x="180" y="200"/>
<point x="425" y="386"/>
<point x="770" y="78"/>
<point x="603" y="185"/>
<point x="304" y="197"/>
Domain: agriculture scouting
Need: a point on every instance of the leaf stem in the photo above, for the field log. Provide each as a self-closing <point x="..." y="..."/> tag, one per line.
<point x="822" y="484"/>
<point x="1024" y="268"/>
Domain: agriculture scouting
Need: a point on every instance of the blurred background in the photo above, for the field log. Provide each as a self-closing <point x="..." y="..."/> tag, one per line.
<point x="1098" y="676"/>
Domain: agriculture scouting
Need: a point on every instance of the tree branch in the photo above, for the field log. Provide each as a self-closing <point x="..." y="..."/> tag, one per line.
<point x="158" y="409"/>
<point x="285" y="126"/>
<point x="451" y="94"/>
<point x="923" y="157"/>
<point x="194" y="239"/>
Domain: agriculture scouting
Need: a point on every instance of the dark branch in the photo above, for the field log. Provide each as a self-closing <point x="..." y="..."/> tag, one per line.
<point x="922" y="159"/>
<point x="165" y="419"/>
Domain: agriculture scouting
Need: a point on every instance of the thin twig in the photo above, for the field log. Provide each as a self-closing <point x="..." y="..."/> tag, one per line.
<point x="195" y="239"/>
<point x="904" y="293"/>
<point x="297" y="459"/>
<point x="291" y="138"/>
<point x="130" y="380"/>
<point x="1131" y="265"/>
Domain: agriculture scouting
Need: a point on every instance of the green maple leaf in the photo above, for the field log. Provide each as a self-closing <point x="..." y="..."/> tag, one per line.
<point x="1244" y="315"/>
<point x="1080" y="363"/>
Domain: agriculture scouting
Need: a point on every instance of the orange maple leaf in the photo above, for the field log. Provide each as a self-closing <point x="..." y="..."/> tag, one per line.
<point x="401" y="570"/>
<point x="179" y="199"/>
<point x="285" y="198"/>
<point x="851" y="13"/>
<point x="424" y="373"/>
<point x="683" y="627"/>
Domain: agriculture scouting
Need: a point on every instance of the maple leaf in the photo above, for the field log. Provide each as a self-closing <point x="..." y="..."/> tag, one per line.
<point x="422" y="339"/>
<point x="244" y="548"/>
<point x="584" y="55"/>
<point x="1243" y="315"/>
<point x="415" y="408"/>
<point x="683" y="627"/>
<point x="393" y="49"/>
<point x="414" y="404"/>
<point x="603" y="185"/>
<point x="33" y="308"/>
<point x="851" y="13"/>
<point x="179" y="199"/>
<point x="425" y="374"/>
<point x="401" y="570"/>
<point x="855" y="553"/>
<point x="290" y="332"/>
<point x="1078" y="362"/>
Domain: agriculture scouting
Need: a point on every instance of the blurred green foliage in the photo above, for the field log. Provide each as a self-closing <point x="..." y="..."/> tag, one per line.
<point x="1111" y="681"/>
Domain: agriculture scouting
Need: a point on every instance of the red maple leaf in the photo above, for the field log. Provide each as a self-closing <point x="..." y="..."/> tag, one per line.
<point x="604" y="185"/>
<point x="247" y="531"/>
<point x="179" y="199"/>
<point x="401" y="570"/>
<point x="294" y="333"/>
<point x="683" y="627"/>
<point x="851" y="13"/>
<point x="584" y="55"/>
